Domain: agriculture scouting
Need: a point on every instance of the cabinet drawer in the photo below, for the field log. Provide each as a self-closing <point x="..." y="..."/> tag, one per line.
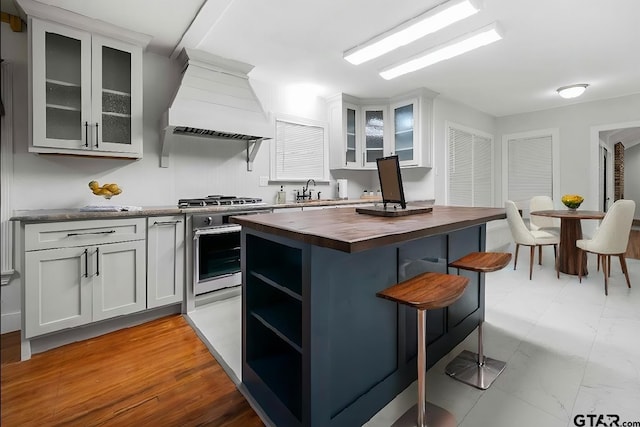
<point x="81" y="233"/>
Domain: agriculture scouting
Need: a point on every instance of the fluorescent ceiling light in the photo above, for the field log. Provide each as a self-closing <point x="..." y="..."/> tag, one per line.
<point x="572" y="91"/>
<point x="409" y="31"/>
<point x="474" y="40"/>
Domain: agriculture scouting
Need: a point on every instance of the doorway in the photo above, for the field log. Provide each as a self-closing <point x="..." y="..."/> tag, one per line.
<point x="606" y="137"/>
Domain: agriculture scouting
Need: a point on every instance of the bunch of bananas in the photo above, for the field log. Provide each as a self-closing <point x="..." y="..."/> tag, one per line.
<point x="107" y="190"/>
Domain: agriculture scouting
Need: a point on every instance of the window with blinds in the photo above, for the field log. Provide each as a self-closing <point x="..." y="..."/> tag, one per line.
<point x="299" y="152"/>
<point x="470" y="179"/>
<point x="530" y="168"/>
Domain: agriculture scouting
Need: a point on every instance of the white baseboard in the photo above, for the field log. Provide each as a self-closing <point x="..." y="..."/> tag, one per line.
<point x="10" y="322"/>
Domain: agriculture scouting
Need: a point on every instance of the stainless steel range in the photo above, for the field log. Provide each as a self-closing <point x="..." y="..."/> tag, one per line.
<point x="219" y="200"/>
<point x="216" y="241"/>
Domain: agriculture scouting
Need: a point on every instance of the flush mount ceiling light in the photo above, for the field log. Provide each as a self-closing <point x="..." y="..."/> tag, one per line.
<point x="413" y="29"/>
<point x="482" y="37"/>
<point x="572" y="91"/>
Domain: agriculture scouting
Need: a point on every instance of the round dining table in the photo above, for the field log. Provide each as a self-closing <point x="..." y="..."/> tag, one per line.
<point x="570" y="231"/>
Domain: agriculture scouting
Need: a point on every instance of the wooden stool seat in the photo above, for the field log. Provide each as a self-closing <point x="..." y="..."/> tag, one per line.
<point x="426" y="291"/>
<point x="474" y="368"/>
<point x="482" y="262"/>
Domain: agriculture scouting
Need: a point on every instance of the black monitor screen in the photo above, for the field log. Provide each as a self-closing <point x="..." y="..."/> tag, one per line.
<point x="391" y="181"/>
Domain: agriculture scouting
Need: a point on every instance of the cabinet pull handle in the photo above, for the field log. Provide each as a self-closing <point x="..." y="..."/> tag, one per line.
<point x="86" y="263"/>
<point x="86" y="134"/>
<point x="166" y="222"/>
<point x="96" y="134"/>
<point x="97" y="261"/>
<point x="91" y="232"/>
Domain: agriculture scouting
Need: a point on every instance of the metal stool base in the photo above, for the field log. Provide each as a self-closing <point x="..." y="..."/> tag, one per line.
<point x="465" y="368"/>
<point x="436" y="416"/>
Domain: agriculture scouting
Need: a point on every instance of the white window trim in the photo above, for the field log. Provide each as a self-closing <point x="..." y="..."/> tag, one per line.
<point x="593" y="201"/>
<point x="273" y="149"/>
<point x="448" y="126"/>
<point x="555" y="153"/>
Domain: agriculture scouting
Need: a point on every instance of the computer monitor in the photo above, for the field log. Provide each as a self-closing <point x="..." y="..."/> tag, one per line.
<point x="391" y="181"/>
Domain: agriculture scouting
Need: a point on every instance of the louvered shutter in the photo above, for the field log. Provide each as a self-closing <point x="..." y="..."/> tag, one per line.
<point x="470" y="172"/>
<point x="530" y="164"/>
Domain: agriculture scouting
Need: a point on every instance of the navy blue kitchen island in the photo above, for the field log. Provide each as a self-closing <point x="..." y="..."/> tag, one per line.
<point x="318" y="347"/>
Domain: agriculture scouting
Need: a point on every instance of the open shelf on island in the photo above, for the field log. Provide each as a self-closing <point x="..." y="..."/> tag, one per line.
<point x="277" y="364"/>
<point x="281" y="280"/>
<point x="285" y="320"/>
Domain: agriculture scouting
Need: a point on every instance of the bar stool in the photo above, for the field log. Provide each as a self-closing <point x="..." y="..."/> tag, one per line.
<point x="474" y="368"/>
<point x="426" y="291"/>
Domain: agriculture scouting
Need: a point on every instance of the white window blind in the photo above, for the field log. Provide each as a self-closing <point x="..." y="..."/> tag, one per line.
<point x="470" y="171"/>
<point x="530" y="168"/>
<point x="300" y="152"/>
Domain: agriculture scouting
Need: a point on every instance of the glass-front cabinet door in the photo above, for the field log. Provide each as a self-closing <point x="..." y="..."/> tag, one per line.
<point x="373" y="147"/>
<point x="61" y="86"/>
<point x="86" y="92"/>
<point x="405" y="132"/>
<point x="116" y="105"/>
<point x="352" y="133"/>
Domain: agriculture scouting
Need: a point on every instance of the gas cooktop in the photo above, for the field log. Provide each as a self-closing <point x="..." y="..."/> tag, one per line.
<point x="219" y="200"/>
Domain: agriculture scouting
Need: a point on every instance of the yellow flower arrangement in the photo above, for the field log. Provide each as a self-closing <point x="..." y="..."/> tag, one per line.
<point x="572" y="201"/>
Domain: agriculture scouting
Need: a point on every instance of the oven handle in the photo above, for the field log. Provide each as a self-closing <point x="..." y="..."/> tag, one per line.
<point x="234" y="228"/>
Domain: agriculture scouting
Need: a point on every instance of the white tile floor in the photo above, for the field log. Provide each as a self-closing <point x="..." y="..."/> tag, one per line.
<point x="569" y="350"/>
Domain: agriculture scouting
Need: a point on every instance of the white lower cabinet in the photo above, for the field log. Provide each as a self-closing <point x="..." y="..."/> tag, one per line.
<point x="119" y="279"/>
<point x="58" y="290"/>
<point x="165" y="260"/>
<point x="82" y="271"/>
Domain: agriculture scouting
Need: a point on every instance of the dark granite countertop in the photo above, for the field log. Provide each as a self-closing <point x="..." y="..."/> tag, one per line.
<point x="52" y="215"/>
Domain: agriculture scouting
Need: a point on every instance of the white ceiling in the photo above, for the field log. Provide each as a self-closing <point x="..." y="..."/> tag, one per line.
<point x="547" y="44"/>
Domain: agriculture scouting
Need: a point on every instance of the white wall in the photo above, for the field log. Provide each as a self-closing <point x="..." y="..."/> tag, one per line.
<point x="578" y="153"/>
<point x="446" y="110"/>
<point x="14" y="50"/>
<point x="198" y="167"/>
<point x="632" y="176"/>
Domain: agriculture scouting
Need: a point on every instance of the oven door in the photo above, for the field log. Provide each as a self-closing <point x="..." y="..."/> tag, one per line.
<point x="216" y="256"/>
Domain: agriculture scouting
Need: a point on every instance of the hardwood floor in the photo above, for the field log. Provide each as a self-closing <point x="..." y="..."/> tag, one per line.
<point x="156" y="374"/>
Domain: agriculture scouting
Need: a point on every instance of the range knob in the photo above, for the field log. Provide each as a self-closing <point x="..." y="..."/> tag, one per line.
<point x="208" y="221"/>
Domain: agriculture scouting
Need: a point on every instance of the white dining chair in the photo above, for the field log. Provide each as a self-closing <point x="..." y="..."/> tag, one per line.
<point x="543" y="203"/>
<point x="611" y="238"/>
<point x="545" y="223"/>
<point x="523" y="236"/>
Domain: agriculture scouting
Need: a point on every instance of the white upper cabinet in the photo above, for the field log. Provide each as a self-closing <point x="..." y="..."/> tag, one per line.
<point x="404" y="131"/>
<point x="373" y="138"/>
<point x="116" y="92"/>
<point x="362" y="131"/>
<point x="86" y="87"/>
<point x="352" y="150"/>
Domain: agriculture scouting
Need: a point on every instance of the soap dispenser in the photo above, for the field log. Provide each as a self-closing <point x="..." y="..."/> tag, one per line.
<point x="281" y="196"/>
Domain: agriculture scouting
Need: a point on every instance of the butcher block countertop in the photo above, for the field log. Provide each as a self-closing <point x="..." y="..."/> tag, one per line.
<point x="345" y="230"/>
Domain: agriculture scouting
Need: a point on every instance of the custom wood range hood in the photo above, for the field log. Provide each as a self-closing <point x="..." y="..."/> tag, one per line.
<point x="214" y="100"/>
